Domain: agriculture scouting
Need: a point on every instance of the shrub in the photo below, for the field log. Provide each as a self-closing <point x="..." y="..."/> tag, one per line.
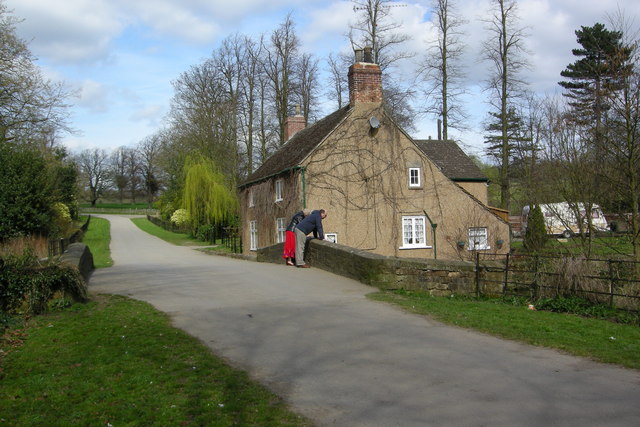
<point x="181" y="218"/>
<point x="535" y="235"/>
<point x="26" y="286"/>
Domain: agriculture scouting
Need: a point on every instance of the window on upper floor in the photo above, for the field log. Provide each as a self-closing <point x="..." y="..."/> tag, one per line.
<point x="414" y="178"/>
<point x="279" y="186"/>
<point x="251" y="201"/>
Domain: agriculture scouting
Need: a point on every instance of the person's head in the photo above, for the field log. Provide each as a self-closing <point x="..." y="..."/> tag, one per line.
<point x="306" y="211"/>
<point x="323" y="213"/>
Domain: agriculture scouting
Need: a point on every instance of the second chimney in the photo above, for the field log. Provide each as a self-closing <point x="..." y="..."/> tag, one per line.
<point x="365" y="79"/>
<point x="293" y="124"/>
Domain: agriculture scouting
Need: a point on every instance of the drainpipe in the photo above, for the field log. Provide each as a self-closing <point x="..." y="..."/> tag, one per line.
<point x="433" y="229"/>
<point x="304" y="183"/>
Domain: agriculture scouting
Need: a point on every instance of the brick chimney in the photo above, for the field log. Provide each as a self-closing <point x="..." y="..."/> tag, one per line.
<point x="365" y="79"/>
<point x="293" y="124"/>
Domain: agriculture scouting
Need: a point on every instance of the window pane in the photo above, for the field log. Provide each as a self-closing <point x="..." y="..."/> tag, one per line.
<point x="419" y="230"/>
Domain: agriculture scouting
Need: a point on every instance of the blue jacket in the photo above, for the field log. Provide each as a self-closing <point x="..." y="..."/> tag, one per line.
<point x="312" y="223"/>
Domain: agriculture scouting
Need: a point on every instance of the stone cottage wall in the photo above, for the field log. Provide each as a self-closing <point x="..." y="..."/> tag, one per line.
<point x="438" y="277"/>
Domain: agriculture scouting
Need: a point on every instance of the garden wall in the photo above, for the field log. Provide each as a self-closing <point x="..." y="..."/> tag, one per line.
<point x="438" y="277"/>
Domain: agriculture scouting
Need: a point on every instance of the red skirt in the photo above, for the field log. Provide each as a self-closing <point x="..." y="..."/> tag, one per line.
<point x="289" y="245"/>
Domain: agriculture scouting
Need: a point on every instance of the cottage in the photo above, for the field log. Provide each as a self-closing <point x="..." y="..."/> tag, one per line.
<point x="384" y="192"/>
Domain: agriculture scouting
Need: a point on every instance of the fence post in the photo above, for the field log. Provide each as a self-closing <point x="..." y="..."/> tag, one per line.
<point x="535" y="278"/>
<point x="611" y="280"/>
<point x="477" y="274"/>
<point x="506" y="275"/>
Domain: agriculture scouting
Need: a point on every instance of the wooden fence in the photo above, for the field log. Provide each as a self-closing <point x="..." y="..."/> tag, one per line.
<point x="604" y="281"/>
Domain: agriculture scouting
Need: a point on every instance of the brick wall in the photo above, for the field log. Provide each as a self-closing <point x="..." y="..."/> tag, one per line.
<point x="365" y="83"/>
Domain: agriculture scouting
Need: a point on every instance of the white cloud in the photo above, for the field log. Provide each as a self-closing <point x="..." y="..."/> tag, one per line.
<point x="93" y="96"/>
<point x="67" y="32"/>
<point x="150" y="113"/>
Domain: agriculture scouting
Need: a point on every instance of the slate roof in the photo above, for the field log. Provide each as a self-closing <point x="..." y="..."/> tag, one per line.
<point x="298" y="147"/>
<point x="453" y="162"/>
<point x="450" y="158"/>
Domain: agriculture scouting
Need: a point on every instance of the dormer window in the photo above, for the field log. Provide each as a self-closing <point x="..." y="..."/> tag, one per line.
<point x="279" y="185"/>
<point x="414" y="178"/>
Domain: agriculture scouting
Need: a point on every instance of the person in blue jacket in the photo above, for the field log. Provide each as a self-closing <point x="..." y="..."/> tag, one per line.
<point x="312" y="223"/>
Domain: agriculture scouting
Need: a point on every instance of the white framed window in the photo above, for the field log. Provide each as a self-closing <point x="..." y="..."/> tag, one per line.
<point x="281" y="228"/>
<point x="414" y="232"/>
<point x="331" y="237"/>
<point x="253" y="235"/>
<point x="478" y="239"/>
<point x="251" y="201"/>
<point x="279" y="185"/>
<point x="414" y="177"/>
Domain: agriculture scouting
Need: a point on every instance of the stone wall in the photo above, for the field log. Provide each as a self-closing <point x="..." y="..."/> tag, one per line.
<point x="438" y="277"/>
<point x="79" y="255"/>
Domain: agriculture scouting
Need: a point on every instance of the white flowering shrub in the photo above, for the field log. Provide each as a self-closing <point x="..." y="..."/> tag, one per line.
<point x="181" y="218"/>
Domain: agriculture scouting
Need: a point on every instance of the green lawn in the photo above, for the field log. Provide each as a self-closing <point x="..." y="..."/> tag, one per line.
<point x="179" y="239"/>
<point x="597" y="339"/>
<point x="116" y="361"/>
<point x="602" y="247"/>
<point x="97" y="238"/>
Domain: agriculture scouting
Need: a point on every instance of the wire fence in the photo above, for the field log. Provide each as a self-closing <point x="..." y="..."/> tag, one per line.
<point x="614" y="282"/>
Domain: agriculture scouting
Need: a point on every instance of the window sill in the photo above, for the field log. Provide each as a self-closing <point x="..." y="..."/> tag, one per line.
<point x="484" y="248"/>
<point x="415" y="247"/>
<point x="415" y="187"/>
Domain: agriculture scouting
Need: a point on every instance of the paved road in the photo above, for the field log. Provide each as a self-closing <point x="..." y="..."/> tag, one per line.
<point x="343" y="360"/>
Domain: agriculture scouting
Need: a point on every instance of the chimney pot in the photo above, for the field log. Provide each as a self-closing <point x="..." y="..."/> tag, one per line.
<point x="359" y="55"/>
<point x="368" y="55"/>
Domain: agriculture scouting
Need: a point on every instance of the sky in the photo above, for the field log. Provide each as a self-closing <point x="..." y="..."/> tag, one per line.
<point x="120" y="57"/>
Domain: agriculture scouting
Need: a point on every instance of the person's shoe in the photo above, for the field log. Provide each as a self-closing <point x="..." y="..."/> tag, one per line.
<point x="290" y="263"/>
<point x="303" y="266"/>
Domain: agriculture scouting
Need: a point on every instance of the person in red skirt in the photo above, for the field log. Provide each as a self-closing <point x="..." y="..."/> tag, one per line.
<point x="289" y="252"/>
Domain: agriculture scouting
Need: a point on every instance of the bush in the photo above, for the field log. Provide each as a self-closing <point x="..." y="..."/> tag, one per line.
<point x="583" y="307"/>
<point x="535" y="235"/>
<point x="181" y="218"/>
<point x="204" y="232"/>
<point x="26" y="286"/>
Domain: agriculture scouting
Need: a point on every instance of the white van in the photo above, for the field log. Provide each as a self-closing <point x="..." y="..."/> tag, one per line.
<point x="561" y="218"/>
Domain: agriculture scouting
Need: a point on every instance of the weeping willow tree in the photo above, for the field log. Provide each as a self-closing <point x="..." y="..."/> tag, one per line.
<point x="206" y="196"/>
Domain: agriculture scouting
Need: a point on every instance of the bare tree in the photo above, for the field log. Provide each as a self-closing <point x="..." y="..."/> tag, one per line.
<point x="307" y="86"/>
<point x="505" y="50"/>
<point x="338" y="88"/>
<point x="441" y="70"/>
<point x="375" y="28"/>
<point x="33" y="110"/>
<point x="622" y="144"/>
<point x="93" y="164"/>
<point x="118" y="170"/>
<point x="149" y="153"/>
<point x="133" y="171"/>
<point x="279" y="67"/>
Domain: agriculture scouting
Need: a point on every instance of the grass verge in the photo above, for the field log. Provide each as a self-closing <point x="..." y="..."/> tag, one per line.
<point x="116" y="361"/>
<point x="597" y="339"/>
<point x="97" y="238"/>
<point x="180" y="239"/>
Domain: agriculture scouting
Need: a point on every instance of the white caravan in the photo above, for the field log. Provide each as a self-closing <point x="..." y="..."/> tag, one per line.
<point x="561" y="218"/>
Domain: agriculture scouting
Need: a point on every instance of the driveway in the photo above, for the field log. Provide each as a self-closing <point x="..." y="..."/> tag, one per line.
<point x="341" y="359"/>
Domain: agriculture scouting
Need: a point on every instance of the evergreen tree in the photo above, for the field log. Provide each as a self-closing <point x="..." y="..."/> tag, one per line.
<point x="535" y="236"/>
<point x="595" y="74"/>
